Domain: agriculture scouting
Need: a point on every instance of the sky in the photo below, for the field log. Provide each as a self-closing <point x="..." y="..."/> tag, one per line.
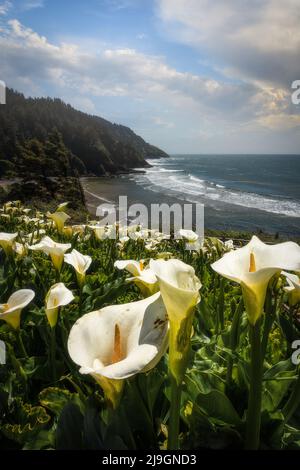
<point x="190" y="76"/>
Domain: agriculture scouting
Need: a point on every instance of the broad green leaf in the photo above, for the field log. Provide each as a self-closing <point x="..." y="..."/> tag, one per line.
<point x="69" y="432"/>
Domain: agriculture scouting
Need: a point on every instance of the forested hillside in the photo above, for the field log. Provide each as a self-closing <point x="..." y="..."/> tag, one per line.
<point x="48" y="137"/>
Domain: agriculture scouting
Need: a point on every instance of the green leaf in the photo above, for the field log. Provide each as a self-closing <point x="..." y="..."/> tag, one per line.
<point x="92" y="429"/>
<point x="70" y="428"/>
<point x="55" y="399"/>
<point x="43" y="440"/>
<point x="27" y="420"/>
<point x="277" y="380"/>
<point x="218" y="408"/>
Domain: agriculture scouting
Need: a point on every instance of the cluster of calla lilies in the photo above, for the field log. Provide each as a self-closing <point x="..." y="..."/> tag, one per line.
<point x="119" y="341"/>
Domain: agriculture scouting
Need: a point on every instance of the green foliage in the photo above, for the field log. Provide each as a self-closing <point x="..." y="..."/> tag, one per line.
<point x="38" y="411"/>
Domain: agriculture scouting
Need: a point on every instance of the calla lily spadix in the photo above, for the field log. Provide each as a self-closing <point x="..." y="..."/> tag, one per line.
<point x="80" y="263"/>
<point x="58" y="296"/>
<point x="253" y="266"/>
<point x="293" y="288"/>
<point x="55" y="250"/>
<point x="11" y="311"/>
<point x="59" y="219"/>
<point x="143" y="277"/>
<point x="7" y="241"/>
<point x="119" y="341"/>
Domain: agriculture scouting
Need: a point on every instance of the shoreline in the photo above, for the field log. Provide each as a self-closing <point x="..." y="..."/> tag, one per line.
<point x="106" y="190"/>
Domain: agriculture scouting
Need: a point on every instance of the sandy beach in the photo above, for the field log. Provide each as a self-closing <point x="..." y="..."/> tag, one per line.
<point x="106" y="190"/>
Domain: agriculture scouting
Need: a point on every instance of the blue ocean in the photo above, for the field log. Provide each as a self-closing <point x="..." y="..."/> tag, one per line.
<point x="239" y="192"/>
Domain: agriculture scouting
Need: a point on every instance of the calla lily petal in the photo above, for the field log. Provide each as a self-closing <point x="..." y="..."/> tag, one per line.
<point x="55" y="250"/>
<point x="59" y="219"/>
<point x="11" y="311"/>
<point x="142" y="339"/>
<point x="58" y="296"/>
<point x="62" y="206"/>
<point x="253" y="266"/>
<point x="132" y="266"/>
<point x="179" y="289"/>
<point x="293" y="288"/>
<point x="80" y="263"/>
<point x="188" y="235"/>
<point x="178" y="284"/>
<point x="7" y="241"/>
<point x="145" y="279"/>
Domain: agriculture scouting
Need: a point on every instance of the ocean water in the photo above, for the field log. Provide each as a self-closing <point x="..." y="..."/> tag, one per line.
<point x="239" y="192"/>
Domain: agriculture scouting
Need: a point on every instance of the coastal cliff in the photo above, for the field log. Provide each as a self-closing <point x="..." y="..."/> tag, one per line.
<point x="54" y="138"/>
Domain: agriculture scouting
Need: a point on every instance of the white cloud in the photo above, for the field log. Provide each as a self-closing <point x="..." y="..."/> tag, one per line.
<point x="203" y="108"/>
<point x="120" y="4"/>
<point x="257" y="39"/>
<point x="280" y="121"/>
<point x="112" y="72"/>
<point x="5" y="7"/>
<point x="163" y="122"/>
<point x="83" y="104"/>
<point x="32" y="4"/>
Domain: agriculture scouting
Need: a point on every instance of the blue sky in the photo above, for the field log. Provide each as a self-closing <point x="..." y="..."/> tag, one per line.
<point x="191" y="76"/>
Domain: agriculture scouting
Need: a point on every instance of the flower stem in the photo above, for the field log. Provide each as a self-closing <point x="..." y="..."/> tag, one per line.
<point x="18" y="368"/>
<point x="57" y="275"/>
<point x="221" y="306"/>
<point x="234" y="338"/>
<point x="53" y="354"/>
<point x="255" y="392"/>
<point x="269" y="320"/>
<point x="173" y="435"/>
<point x="21" y="344"/>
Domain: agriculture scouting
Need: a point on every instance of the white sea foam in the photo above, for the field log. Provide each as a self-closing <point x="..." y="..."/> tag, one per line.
<point x="193" y="189"/>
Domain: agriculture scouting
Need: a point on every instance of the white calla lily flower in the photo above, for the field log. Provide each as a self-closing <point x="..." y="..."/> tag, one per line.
<point x="229" y="245"/>
<point x="192" y="238"/>
<point x="178" y="284"/>
<point x="55" y="250"/>
<point x="59" y="219"/>
<point x="80" y="263"/>
<point x="78" y="229"/>
<point x="26" y="211"/>
<point x="144" y="278"/>
<point x="11" y="311"/>
<point x="188" y="235"/>
<point x="68" y="231"/>
<point x="7" y="241"/>
<point x="253" y="266"/>
<point x="151" y="245"/>
<point x="20" y="249"/>
<point x="103" y="232"/>
<point x="119" y="341"/>
<point x="293" y="288"/>
<point x="58" y="296"/>
<point x="179" y="287"/>
<point x="61" y="207"/>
